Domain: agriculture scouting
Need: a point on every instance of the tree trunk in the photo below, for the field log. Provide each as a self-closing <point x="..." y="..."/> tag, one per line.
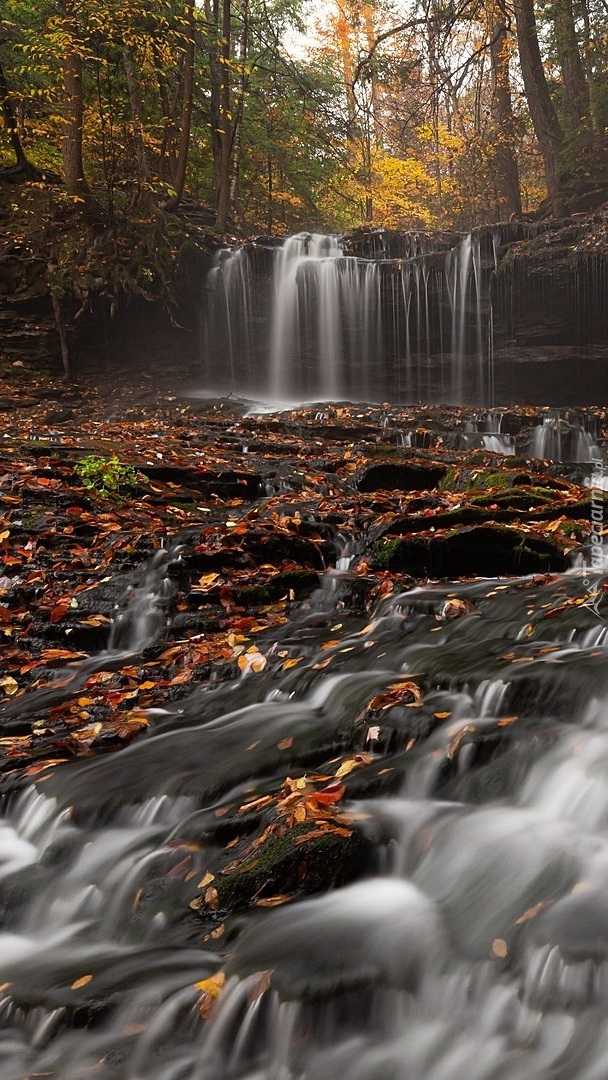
<point x="63" y="335"/>
<point x="240" y="105"/>
<point x="166" y="157"/>
<point x="505" y="161"/>
<point x="10" y="126"/>
<point x="212" y="15"/>
<point x="186" y="121"/>
<point x="573" y="75"/>
<point x="73" y="123"/>
<point x="133" y="87"/>
<point x="593" y="88"/>
<point x="269" y="202"/>
<point x="544" y="118"/>
<point x="223" y="192"/>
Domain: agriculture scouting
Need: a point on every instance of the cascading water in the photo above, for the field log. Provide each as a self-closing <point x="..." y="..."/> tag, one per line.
<point x="474" y="941"/>
<point x="303" y="320"/>
<point x="557" y="439"/>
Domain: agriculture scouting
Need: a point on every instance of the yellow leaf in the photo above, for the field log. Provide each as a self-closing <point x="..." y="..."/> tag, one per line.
<point x="213" y="984"/>
<point x="206" y="580"/>
<point x="210" y="991"/>
<point x="346" y="767"/>
<point x="81" y="982"/>
<point x="9" y="685"/>
<point x="208" y="878"/>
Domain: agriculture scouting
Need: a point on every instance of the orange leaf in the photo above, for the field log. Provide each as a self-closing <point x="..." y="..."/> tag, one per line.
<point x="330" y="794"/>
<point x="81" y="982"/>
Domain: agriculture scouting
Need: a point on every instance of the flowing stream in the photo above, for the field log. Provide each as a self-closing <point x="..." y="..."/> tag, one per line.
<point x="475" y="943"/>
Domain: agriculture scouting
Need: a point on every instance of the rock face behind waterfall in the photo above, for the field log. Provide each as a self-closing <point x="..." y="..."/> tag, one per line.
<point x="550" y="315"/>
<point x="508" y="312"/>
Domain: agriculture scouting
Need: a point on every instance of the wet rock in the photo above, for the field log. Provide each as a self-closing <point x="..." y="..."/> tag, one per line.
<point x="484" y="550"/>
<point x="293" y="864"/>
<point x="400" y="476"/>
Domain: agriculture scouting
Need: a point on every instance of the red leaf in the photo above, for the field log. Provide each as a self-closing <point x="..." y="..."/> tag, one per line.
<point x="59" y="610"/>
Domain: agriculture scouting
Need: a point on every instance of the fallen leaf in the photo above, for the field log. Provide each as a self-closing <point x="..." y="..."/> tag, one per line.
<point x="330" y="794"/>
<point x="59" y="611"/>
<point x="210" y="989"/>
<point x="9" y="685"/>
<point x="499" y="949"/>
<point x="274" y="901"/>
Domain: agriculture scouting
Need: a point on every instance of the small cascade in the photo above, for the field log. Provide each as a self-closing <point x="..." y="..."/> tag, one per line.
<point x="143" y="618"/>
<point x="134" y="628"/>
<point x="499" y="444"/>
<point x="558" y="439"/>
<point x="472" y="941"/>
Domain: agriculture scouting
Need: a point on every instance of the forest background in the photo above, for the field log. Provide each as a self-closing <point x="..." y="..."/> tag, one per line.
<point x="278" y="115"/>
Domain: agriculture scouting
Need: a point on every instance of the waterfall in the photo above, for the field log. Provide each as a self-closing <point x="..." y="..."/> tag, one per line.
<point x="320" y="317"/>
<point x="321" y="310"/>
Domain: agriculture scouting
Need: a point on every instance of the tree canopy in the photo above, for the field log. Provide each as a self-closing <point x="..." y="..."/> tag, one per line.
<point x="278" y="116"/>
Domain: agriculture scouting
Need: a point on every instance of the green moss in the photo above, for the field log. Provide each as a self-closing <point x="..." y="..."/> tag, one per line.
<point x="182" y="504"/>
<point x="576" y="529"/>
<point x="385" y="551"/>
<point x="517" y="498"/>
<point x="252" y="594"/>
<point x="450" y="480"/>
<point x="291" y="864"/>
<point x="303" y="582"/>
<point x="483" y="479"/>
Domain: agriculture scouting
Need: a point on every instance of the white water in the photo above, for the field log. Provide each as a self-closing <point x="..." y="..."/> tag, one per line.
<point x="324" y="322"/>
<point x="560" y="440"/>
<point x="328" y="326"/>
<point x="477" y="942"/>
